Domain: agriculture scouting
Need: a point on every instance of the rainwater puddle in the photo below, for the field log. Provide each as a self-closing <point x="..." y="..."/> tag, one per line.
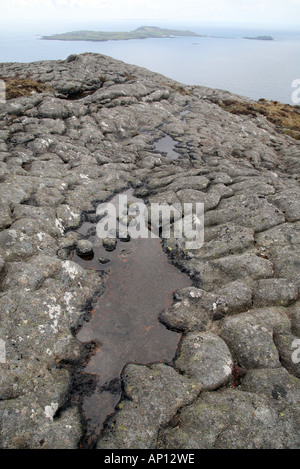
<point x="124" y="322"/>
<point x="184" y="113"/>
<point x="166" y="145"/>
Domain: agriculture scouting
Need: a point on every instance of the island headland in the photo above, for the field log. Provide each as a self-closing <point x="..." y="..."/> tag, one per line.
<point x="143" y="32"/>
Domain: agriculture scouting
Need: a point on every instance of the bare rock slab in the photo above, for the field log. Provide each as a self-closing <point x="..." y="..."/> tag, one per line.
<point x="232" y="419"/>
<point x="155" y="393"/>
<point x="205" y="358"/>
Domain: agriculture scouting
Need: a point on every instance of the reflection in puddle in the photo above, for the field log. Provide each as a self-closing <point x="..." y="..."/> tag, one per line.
<point x="166" y="146"/>
<point x="124" y="323"/>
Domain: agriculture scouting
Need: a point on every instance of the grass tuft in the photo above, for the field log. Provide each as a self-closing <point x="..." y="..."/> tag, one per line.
<point x="284" y="116"/>
<point x="19" y="87"/>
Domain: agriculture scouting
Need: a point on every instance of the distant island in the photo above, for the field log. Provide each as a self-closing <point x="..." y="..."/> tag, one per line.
<point x="144" y="32"/>
<point x="260" y="38"/>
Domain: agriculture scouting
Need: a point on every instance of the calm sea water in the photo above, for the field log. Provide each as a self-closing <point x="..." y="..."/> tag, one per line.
<point x="251" y="68"/>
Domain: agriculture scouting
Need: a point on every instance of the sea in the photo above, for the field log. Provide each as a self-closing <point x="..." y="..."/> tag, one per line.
<point x="252" y="68"/>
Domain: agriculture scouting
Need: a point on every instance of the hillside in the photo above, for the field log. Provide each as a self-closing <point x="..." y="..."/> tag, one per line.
<point x="78" y="132"/>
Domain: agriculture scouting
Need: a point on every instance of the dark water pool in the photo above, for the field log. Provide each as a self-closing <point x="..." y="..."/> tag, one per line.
<point x="139" y="285"/>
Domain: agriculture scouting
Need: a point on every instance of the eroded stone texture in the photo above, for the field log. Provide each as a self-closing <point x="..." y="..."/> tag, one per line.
<point x="155" y="394"/>
<point x="277" y="384"/>
<point x="63" y="152"/>
<point x="277" y="292"/>
<point x="206" y="358"/>
<point x="233" y="419"/>
<point x="250" y="336"/>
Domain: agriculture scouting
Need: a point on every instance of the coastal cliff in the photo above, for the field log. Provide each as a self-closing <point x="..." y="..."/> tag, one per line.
<point x="85" y="129"/>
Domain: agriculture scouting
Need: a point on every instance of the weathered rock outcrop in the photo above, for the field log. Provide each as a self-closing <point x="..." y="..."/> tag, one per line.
<point x="90" y="135"/>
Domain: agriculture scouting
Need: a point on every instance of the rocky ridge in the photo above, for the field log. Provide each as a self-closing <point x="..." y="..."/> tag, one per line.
<point x="233" y="383"/>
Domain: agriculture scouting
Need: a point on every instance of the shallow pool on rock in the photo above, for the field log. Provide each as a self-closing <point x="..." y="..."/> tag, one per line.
<point x="139" y="285"/>
<point x="166" y="145"/>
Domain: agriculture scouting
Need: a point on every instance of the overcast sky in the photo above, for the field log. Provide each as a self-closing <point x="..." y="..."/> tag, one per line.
<point x="227" y="11"/>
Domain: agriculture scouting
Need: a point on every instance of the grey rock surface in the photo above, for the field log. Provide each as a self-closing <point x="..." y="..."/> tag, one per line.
<point x="232" y="419"/>
<point x="276" y="384"/>
<point x="84" y="247"/>
<point x="205" y="358"/>
<point x="251" y="336"/>
<point x="155" y="393"/>
<point x="63" y="152"/>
